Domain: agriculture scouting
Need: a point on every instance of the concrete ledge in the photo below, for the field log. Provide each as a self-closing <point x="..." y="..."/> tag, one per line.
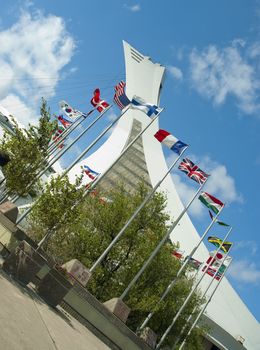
<point x="105" y="322"/>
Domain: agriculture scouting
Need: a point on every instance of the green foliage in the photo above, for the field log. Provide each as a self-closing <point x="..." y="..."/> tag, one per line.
<point x="27" y="149"/>
<point x="84" y="233"/>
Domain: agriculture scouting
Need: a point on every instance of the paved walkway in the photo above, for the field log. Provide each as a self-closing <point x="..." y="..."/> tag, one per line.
<point x="27" y="323"/>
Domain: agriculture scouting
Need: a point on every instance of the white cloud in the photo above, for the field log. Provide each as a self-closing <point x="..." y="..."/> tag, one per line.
<point x="133" y="8"/>
<point x="250" y="247"/>
<point x="221" y="72"/>
<point x="244" y="271"/>
<point x="175" y="72"/>
<point x="18" y="108"/>
<point x="32" y="54"/>
<point x="220" y="184"/>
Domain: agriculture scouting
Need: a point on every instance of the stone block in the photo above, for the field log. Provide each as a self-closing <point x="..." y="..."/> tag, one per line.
<point x="9" y="210"/>
<point x="118" y="308"/>
<point x="77" y="271"/>
<point x="24" y="263"/>
<point x="53" y="287"/>
<point x="148" y="335"/>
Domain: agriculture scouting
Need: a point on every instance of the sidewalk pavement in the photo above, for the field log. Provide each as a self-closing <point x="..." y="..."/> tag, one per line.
<point x="28" y="323"/>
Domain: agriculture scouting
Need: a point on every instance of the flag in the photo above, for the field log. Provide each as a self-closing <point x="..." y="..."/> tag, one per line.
<point x="120" y="97"/>
<point x="90" y="173"/>
<point x="64" y="121"/>
<point x="217" y="243"/>
<point x="72" y="113"/>
<point x="216" y="273"/>
<point x="177" y="254"/>
<point x="221" y="223"/>
<point x="149" y="109"/>
<point x="216" y="266"/>
<point x="196" y="264"/>
<point x="96" y="101"/>
<point x="211" y="202"/>
<point x="170" y="141"/>
<point x="193" y="171"/>
<point x="219" y="258"/>
<point x="216" y="261"/>
<point x="56" y="136"/>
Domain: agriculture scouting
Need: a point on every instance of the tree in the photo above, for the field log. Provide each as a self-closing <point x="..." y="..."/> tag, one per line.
<point x="27" y="149"/>
<point x="84" y="232"/>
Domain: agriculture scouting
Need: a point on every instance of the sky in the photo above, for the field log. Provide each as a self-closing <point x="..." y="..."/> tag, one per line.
<point x="211" y="52"/>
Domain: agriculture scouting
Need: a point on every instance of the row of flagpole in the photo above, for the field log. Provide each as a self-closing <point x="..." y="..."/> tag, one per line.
<point x="189" y="296"/>
<point x="53" y="147"/>
<point x="99" y="178"/>
<point x="205" y="306"/>
<point x="179" y="272"/>
<point x="149" y="195"/>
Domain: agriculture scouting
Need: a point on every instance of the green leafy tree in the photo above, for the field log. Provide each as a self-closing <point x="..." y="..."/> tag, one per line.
<point x="84" y="232"/>
<point x="27" y="149"/>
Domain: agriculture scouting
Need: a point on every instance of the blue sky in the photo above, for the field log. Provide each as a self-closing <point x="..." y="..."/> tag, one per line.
<point x="211" y="91"/>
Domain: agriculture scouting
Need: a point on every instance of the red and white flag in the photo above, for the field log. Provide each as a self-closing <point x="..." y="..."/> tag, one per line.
<point x="97" y="102"/>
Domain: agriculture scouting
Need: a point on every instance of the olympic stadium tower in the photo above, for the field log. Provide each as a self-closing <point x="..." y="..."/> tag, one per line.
<point x="232" y="325"/>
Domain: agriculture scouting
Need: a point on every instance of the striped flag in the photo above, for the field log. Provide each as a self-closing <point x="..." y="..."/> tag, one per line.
<point x="193" y="171"/>
<point x="216" y="273"/>
<point x="92" y="174"/>
<point x="196" y="264"/>
<point x="211" y="202"/>
<point x="56" y="136"/>
<point x="120" y="97"/>
<point x="170" y="141"/>
<point x="64" y="121"/>
<point x="178" y="254"/>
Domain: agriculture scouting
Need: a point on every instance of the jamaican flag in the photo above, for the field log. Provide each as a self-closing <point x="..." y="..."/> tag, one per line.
<point x="218" y="242"/>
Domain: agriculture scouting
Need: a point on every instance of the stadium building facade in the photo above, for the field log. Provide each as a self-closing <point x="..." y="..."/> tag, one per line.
<point x="232" y="325"/>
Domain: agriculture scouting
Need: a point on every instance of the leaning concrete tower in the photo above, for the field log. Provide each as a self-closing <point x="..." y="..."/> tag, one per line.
<point x="227" y="315"/>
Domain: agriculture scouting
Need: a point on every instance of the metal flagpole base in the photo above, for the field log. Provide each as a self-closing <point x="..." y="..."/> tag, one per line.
<point x="118" y="308"/>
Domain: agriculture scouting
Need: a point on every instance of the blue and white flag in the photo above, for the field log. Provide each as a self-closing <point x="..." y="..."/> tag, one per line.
<point x="147" y="108"/>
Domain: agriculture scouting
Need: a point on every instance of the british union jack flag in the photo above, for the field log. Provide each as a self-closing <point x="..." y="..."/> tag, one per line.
<point x="193" y="171"/>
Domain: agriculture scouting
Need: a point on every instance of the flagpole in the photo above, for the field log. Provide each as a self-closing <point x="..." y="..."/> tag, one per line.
<point x="54" y="160"/>
<point x="99" y="178"/>
<point x="87" y="149"/>
<point x="204" y="308"/>
<point x="147" y="198"/>
<point x="173" y="282"/>
<point x="69" y="130"/>
<point x="160" y="244"/>
<point x="51" y="151"/>
<point x="204" y="294"/>
<point x="66" y="133"/>
<point x="189" y="295"/>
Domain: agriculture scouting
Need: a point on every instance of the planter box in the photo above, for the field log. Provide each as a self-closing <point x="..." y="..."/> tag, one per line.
<point x="24" y="263"/>
<point x="53" y="287"/>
